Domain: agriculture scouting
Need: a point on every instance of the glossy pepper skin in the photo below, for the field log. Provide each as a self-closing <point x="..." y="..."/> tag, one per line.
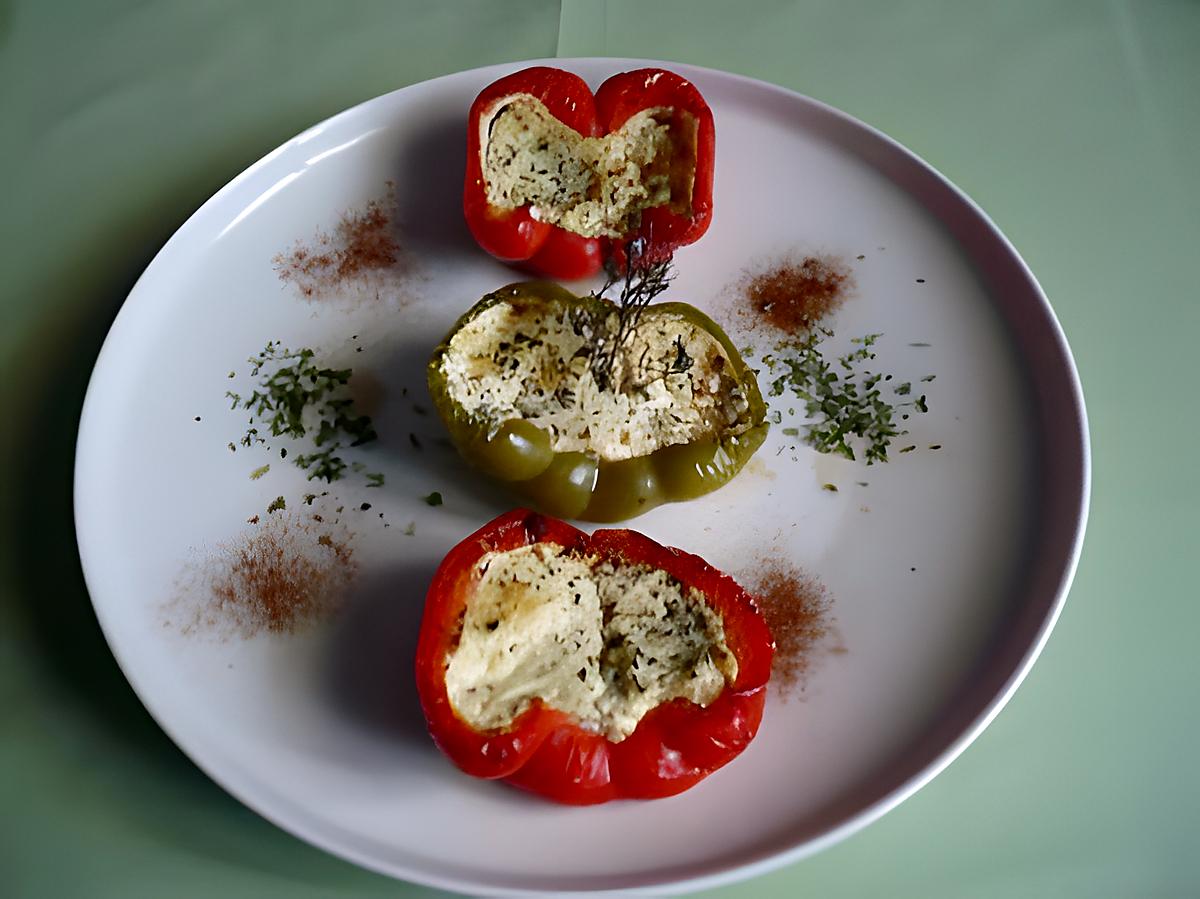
<point x="576" y="484"/>
<point x="546" y="751"/>
<point x="514" y="235"/>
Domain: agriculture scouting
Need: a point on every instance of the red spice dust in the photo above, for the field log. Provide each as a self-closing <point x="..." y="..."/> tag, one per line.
<point x="796" y="606"/>
<point x="363" y="246"/>
<point x="276" y="578"/>
<point x="793" y="296"/>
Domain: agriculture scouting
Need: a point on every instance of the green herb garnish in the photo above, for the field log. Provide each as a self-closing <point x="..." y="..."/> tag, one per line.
<point x="259" y="472"/>
<point x="434" y="499"/>
<point x="278" y="504"/>
<point x="844" y="400"/>
<point x="295" y="397"/>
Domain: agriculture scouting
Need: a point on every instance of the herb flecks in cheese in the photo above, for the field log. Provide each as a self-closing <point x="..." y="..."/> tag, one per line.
<point x="601" y="641"/>
<point x="520" y="360"/>
<point x="592" y="186"/>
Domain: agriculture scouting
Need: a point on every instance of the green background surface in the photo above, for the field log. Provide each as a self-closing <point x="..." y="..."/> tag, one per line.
<point x="1076" y="125"/>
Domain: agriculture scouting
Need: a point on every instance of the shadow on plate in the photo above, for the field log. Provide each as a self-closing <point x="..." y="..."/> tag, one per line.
<point x="411" y="431"/>
<point x="429" y="189"/>
<point x="371" y="651"/>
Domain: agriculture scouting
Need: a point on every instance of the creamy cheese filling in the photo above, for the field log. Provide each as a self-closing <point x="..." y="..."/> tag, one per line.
<point x="603" y="642"/>
<point x="593" y="186"/>
<point x="672" y="381"/>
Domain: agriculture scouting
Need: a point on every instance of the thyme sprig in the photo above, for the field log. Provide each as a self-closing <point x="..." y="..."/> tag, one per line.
<point x="292" y="389"/>
<point x="845" y="402"/>
<point x="644" y="279"/>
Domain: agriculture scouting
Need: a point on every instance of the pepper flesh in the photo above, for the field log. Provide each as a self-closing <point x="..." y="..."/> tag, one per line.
<point x="547" y="751"/>
<point x="576" y="483"/>
<point x="518" y="235"/>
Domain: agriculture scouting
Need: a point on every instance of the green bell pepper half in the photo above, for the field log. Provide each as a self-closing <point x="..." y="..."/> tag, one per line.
<point x="578" y="484"/>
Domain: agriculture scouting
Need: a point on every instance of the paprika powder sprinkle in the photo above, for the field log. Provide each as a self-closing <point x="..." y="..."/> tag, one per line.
<point x="284" y="574"/>
<point x="792" y="296"/>
<point x="796" y="606"/>
<point x="360" y="253"/>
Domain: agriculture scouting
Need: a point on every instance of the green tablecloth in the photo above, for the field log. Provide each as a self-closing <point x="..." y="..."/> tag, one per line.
<point x="1076" y="125"/>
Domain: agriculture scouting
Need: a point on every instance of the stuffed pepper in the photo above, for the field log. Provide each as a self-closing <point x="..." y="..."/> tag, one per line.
<point x="559" y="180"/>
<point x="587" y="669"/>
<point x="594" y="409"/>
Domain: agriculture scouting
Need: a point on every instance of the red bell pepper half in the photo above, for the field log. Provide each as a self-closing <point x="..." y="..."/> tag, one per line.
<point x="517" y="235"/>
<point x="547" y="751"/>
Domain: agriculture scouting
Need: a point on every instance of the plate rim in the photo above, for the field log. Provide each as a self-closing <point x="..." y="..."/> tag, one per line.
<point x="769" y="859"/>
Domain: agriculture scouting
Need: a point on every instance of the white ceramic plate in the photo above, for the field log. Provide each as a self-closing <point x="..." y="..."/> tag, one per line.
<point x="320" y="731"/>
